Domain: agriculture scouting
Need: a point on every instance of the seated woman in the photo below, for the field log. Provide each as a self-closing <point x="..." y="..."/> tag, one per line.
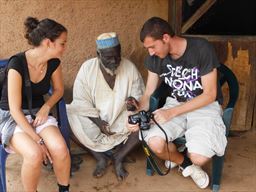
<point x="98" y="114"/>
<point x="37" y="140"/>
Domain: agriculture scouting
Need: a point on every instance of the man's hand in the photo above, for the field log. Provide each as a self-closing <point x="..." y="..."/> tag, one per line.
<point x="164" y="115"/>
<point x="132" y="127"/>
<point x="104" y="127"/>
<point x="131" y="104"/>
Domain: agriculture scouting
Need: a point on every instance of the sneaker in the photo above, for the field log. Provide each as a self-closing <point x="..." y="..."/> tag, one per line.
<point x="197" y="174"/>
<point x="170" y="164"/>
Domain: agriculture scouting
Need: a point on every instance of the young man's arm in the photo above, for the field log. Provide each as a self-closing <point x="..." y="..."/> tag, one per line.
<point x="152" y="82"/>
<point x="209" y="83"/>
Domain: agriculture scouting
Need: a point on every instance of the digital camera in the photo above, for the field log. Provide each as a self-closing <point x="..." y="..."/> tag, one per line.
<point x="142" y="118"/>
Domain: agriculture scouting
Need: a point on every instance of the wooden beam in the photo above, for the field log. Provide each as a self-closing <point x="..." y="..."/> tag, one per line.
<point x="178" y="17"/>
<point x="175" y="15"/>
<point x="171" y="13"/>
<point x="197" y="15"/>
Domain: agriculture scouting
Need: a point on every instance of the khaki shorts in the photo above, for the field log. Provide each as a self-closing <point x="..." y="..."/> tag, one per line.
<point x="203" y="128"/>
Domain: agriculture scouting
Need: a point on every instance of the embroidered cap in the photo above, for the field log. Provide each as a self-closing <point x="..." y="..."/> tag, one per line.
<point x="107" y="40"/>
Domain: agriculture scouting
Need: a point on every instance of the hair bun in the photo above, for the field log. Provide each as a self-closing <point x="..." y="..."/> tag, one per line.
<point x="36" y="31"/>
<point x="31" y="23"/>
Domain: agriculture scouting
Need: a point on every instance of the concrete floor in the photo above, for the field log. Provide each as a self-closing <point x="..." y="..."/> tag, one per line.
<point x="239" y="173"/>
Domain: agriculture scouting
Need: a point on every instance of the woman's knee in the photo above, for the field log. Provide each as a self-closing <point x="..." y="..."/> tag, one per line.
<point x="34" y="157"/>
<point x="157" y="144"/>
<point x="60" y="151"/>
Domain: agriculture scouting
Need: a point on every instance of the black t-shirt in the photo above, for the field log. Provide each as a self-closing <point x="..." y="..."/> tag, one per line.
<point x="183" y="75"/>
<point x="38" y="89"/>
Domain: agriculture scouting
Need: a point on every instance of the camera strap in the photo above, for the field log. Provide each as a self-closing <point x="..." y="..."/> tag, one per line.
<point x="27" y="82"/>
<point x="28" y="90"/>
<point x="150" y="154"/>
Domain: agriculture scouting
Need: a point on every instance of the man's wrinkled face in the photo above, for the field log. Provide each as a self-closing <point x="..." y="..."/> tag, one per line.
<point x="110" y="57"/>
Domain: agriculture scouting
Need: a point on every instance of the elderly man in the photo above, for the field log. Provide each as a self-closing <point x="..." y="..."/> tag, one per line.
<point x="98" y="114"/>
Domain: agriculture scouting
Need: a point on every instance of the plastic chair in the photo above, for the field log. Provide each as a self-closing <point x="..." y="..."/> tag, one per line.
<point x="63" y="126"/>
<point x="3" y="62"/>
<point x="158" y="98"/>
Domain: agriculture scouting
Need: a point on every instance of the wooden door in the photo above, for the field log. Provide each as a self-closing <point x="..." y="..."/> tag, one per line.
<point x="236" y="51"/>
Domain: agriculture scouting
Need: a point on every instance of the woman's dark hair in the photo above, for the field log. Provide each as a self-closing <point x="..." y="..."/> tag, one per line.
<point x="155" y="27"/>
<point x="37" y="30"/>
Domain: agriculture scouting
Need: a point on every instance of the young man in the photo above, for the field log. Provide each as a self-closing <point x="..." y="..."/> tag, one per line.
<point x="97" y="114"/>
<point x="188" y="66"/>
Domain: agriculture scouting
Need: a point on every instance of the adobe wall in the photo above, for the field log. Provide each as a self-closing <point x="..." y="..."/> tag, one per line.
<point x="85" y="20"/>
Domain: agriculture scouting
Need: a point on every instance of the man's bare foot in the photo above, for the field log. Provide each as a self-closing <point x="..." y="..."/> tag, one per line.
<point x="100" y="168"/>
<point x="121" y="173"/>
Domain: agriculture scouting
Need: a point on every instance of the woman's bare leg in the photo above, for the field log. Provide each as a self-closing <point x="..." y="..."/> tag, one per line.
<point x="22" y="144"/>
<point x="59" y="153"/>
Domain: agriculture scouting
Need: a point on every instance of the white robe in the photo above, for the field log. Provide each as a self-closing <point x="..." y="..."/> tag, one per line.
<point x="92" y="97"/>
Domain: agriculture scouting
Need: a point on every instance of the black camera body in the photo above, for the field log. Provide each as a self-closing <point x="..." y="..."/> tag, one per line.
<point x="142" y="118"/>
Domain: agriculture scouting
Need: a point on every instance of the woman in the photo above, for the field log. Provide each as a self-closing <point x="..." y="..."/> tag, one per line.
<point x="37" y="140"/>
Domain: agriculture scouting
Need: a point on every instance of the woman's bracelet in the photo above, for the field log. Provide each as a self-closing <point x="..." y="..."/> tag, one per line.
<point x="41" y="141"/>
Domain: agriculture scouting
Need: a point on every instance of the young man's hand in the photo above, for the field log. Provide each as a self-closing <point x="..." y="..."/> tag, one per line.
<point x="164" y="115"/>
<point x="132" y="127"/>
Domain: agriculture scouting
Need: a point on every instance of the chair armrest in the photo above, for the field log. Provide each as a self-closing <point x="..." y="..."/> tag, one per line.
<point x="3" y="62"/>
<point x="227" y="118"/>
<point x="180" y="141"/>
<point x="153" y="103"/>
<point x="157" y="99"/>
<point x="62" y="118"/>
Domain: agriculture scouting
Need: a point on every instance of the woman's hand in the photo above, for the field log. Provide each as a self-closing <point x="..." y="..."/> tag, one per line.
<point x="46" y="154"/>
<point x="42" y="115"/>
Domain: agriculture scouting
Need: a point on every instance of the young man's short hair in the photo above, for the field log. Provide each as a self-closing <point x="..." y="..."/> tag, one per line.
<point x="155" y="27"/>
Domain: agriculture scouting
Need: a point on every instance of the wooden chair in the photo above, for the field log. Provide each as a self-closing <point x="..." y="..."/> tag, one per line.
<point x="158" y="98"/>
